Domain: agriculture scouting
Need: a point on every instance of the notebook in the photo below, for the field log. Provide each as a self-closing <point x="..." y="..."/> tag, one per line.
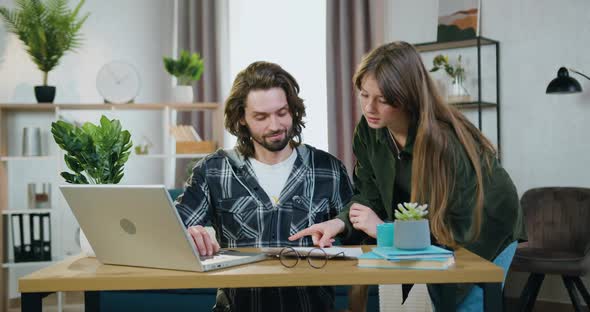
<point x="392" y="253"/>
<point x="372" y="260"/>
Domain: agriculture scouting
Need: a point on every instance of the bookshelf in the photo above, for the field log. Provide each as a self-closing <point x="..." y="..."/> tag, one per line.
<point x="156" y="167"/>
<point x="482" y="101"/>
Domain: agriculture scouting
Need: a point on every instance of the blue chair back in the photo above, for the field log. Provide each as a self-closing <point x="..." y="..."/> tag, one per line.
<point x="174" y="193"/>
<point x="474" y="299"/>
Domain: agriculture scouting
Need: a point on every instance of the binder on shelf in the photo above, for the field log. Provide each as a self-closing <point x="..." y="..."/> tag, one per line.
<point x="17" y="238"/>
<point x="26" y="238"/>
<point x="37" y="243"/>
<point x="46" y="236"/>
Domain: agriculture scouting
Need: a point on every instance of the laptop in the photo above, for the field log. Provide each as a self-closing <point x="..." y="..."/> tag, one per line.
<point x="138" y="225"/>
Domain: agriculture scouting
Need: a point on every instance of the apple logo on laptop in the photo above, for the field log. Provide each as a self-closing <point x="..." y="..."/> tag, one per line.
<point x="127" y="226"/>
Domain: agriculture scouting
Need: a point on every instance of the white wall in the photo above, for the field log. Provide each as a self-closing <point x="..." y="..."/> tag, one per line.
<point x="134" y="31"/>
<point x="544" y="137"/>
<point x="291" y="33"/>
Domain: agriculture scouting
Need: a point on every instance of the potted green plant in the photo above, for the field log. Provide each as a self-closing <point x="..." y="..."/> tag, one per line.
<point x="95" y="154"/>
<point x="411" y="228"/>
<point x="187" y="68"/>
<point x="456" y="90"/>
<point x="48" y="29"/>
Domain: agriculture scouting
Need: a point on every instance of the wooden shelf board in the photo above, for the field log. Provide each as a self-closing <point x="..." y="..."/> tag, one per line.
<point x="143" y="106"/>
<point x="473" y="105"/>
<point x="170" y="156"/>
<point x="25" y="158"/>
<point x="28" y="107"/>
<point x="189" y="155"/>
<point x="435" y="46"/>
<point x="36" y="210"/>
<point x="7" y="265"/>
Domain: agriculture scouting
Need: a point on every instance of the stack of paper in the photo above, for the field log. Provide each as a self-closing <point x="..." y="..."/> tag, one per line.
<point x="431" y="258"/>
<point x="336" y="252"/>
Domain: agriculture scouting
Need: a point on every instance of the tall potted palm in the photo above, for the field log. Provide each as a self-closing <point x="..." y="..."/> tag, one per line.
<point x="94" y="153"/>
<point x="48" y="29"/>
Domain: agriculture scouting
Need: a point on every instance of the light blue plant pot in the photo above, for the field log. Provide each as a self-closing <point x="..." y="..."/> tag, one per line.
<point x="411" y="234"/>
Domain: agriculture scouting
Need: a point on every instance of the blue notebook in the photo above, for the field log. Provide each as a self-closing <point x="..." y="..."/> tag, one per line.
<point x="392" y="253"/>
<point x="372" y="260"/>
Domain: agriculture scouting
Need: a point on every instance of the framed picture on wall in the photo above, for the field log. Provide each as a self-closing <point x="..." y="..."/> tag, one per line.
<point x="458" y="19"/>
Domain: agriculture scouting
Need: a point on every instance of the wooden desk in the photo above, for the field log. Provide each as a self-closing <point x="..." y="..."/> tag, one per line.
<point x="89" y="275"/>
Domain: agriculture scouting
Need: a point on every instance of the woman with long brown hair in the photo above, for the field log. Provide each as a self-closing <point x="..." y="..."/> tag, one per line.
<point x="411" y="146"/>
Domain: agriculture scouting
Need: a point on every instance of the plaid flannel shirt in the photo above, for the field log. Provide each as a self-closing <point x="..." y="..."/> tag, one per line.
<point x="224" y="190"/>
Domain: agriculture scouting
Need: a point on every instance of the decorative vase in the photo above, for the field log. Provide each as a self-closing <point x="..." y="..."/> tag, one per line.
<point x="411" y="234"/>
<point x="45" y="94"/>
<point x="457" y="93"/>
<point x="84" y="244"/>
<point x="183" y="94"/>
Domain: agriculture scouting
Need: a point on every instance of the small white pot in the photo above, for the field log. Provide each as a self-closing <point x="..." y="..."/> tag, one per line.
<point x="85" y="245"/>
<point x="182" y="94"/>
<point x="411" y="234"/>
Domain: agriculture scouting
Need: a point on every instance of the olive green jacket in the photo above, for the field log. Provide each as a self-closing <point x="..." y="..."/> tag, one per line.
<point x="374" y="177"/>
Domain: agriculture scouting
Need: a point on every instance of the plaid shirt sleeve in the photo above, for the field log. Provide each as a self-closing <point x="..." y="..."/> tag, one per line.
<point x="342" y="192"/>
<point x="193" y="205"/>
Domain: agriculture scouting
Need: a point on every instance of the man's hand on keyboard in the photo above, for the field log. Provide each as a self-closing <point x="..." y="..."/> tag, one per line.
<point x="206" y="244"/>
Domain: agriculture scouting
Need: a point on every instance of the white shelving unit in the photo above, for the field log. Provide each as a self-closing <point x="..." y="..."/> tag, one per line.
<point x="142" y="120"/>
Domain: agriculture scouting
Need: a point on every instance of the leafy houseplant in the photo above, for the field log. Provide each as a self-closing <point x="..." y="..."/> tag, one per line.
<point x="187" y="68"/>
<point x="95" y="154"/>
<point x="411" y="229"/>
<point x="48" y="29"/>
<point x="456" y="91"/>
<point x="454" y="71"/>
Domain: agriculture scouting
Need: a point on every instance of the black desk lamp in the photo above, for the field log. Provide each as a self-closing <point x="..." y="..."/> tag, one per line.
<point x="564" y="83"/>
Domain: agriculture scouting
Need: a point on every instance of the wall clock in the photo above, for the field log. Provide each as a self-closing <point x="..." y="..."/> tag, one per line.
<point x="118" y="82"/>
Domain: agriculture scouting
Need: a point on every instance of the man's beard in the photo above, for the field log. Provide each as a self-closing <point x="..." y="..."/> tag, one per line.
<point x="275" y="146"/>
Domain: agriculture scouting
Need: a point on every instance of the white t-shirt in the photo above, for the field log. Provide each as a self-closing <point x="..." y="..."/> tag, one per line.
<point x="272" y="178"/>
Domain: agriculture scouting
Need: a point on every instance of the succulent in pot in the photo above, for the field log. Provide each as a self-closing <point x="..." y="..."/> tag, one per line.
<point x="411" y="229"/>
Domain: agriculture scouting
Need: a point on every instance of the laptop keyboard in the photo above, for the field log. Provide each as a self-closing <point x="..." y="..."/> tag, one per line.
<point x="220" y="257"/>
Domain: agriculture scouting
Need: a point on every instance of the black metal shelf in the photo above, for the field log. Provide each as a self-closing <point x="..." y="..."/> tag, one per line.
<point x="478" y="104"/>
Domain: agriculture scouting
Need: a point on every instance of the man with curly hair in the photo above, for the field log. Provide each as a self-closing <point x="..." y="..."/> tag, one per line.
<point x="269" y="187"/>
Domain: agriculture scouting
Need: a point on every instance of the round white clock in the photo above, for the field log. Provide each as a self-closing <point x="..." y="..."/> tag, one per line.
<point x="118" y="82"/>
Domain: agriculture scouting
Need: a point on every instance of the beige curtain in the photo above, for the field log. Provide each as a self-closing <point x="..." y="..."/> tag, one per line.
<point x="354" y="27"/>
<point x="197" y="32"/>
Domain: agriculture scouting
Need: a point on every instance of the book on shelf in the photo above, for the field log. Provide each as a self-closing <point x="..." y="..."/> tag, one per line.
<point x="373" y="260"/>
<point x="392" y="253"/>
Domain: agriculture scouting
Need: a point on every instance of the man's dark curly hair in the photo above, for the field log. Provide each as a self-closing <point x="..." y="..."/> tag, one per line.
<point x="261" y="76"/>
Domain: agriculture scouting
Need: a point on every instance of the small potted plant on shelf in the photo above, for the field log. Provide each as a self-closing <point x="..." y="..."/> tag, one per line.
<point x="48" y="30"/>
<point x="96" y="154"/>
<point x="411" y="229"/>
<point x="456" y="91"/>
<point x="188" y="68"/>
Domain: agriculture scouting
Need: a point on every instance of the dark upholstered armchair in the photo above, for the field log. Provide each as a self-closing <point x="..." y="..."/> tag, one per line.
<point x="558" y="229"/>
